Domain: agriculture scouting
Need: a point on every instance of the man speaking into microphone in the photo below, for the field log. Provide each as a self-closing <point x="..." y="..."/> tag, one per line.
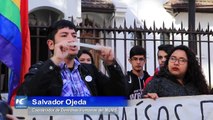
<point x="64" y="75"/>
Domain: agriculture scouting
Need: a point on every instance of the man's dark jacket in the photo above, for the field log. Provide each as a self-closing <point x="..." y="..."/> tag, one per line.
<point x="44" y="79"/>
<point x="133" y="82"/>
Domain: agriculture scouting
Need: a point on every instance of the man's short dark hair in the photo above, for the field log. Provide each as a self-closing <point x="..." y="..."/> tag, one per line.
<point x="53" y="29"/>
<point x="137" y="50"/>
<point x="167" y="48"/>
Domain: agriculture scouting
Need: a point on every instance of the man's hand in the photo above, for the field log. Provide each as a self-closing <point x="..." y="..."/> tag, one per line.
<point x="61" y="51"/>
<point x="107" y="55"/>
<point x="11" y="117"/>
<point x="151" y="95"/>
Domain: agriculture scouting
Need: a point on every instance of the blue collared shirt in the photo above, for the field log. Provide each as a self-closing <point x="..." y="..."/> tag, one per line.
<point x="73" y="85"/>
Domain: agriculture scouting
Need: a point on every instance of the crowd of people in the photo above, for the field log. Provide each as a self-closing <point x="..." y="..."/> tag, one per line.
<point x="71" y="72"/>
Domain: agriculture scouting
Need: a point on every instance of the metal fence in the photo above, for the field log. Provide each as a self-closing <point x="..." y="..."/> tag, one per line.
<point x="122" y="38"/>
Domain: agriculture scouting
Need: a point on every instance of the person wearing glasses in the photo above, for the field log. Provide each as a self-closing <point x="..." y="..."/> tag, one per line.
<point x="137" y="76"/>
<point x="180" y="76"/>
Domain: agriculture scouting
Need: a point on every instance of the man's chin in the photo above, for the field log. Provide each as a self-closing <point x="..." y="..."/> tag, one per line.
<point x="71" y="56"/>
<point x="161" y="65"/>
<point x="138" y="70"/>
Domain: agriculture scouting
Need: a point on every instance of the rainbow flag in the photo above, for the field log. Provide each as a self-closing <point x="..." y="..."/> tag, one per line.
<point x="14" y="41"/>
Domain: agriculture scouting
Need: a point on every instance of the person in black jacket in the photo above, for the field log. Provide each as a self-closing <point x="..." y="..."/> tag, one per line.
<point x="137" y="76"/>
<point x="64" y="75"/>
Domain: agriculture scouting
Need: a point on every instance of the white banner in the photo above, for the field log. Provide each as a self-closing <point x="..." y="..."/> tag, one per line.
<point x="167" y="108"/>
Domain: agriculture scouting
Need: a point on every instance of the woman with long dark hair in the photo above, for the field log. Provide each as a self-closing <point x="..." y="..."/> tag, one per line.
<point x="84" y="56"/>
<point x="181" y="75"/>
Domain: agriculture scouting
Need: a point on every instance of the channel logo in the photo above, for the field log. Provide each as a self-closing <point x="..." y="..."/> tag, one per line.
<point x="21" y="102"/>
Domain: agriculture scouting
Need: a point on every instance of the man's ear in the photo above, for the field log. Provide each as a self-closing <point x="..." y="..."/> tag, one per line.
<point x="50" y="44"/>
